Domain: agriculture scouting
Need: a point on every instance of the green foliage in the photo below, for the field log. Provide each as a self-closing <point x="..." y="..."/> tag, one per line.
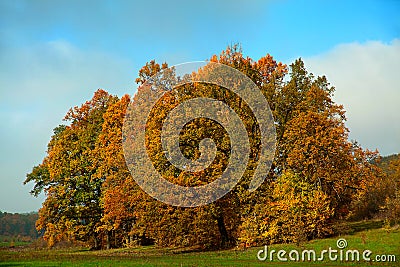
<point x="72" y="208"/>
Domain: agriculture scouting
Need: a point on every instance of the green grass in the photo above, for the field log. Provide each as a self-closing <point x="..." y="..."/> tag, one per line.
<point x="362" y="235"/>
<point x="7" y="241"/>
<point x="6" y="244"/>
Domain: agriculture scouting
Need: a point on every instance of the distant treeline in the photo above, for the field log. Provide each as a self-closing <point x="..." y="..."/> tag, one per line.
<point x="15" y="224"/>
<point x="386" y="161"/>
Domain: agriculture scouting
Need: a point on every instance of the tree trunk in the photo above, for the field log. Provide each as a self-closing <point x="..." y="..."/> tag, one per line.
<point x="96" y="242"/>
<point x="108" y="245"/>
<point x="223" y="232"/>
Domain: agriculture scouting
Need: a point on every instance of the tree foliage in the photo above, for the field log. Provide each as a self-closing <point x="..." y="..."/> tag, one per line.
<point x="72" y="206"/>
<point x="318" y="175"/>
<point x="296" y="211"/>
<point x="392" y="201"/>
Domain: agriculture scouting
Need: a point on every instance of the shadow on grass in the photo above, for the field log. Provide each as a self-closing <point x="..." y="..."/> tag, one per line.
<point x="351" y="228"/>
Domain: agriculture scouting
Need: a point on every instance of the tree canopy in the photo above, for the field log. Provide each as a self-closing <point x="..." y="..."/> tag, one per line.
<point x="317" y="176"/>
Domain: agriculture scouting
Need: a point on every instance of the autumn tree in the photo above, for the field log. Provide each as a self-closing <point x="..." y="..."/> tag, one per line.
<point x="311" y="140"/>
<point x="72" y="207"/>
<point x="168" y="225"/>
<point x="317" y="175"/>
<point x="312" y="143"/>
<point x="120" y="193"/>
<point x="216" y="222"/>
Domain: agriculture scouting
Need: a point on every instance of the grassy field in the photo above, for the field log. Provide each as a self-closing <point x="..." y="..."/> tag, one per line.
<point x="7" y="241"/>
<point x="360" y="236"/>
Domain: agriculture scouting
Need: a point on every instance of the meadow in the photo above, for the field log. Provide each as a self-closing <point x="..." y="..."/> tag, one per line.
<point x="359" y="235"/>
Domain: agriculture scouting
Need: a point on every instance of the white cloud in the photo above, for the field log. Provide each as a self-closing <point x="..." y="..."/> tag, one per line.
<point x="367" y="81"/>
<point x="38" y="85"/>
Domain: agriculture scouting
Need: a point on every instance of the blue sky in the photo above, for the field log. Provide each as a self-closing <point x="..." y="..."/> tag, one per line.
<point x="55" y="54"/>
